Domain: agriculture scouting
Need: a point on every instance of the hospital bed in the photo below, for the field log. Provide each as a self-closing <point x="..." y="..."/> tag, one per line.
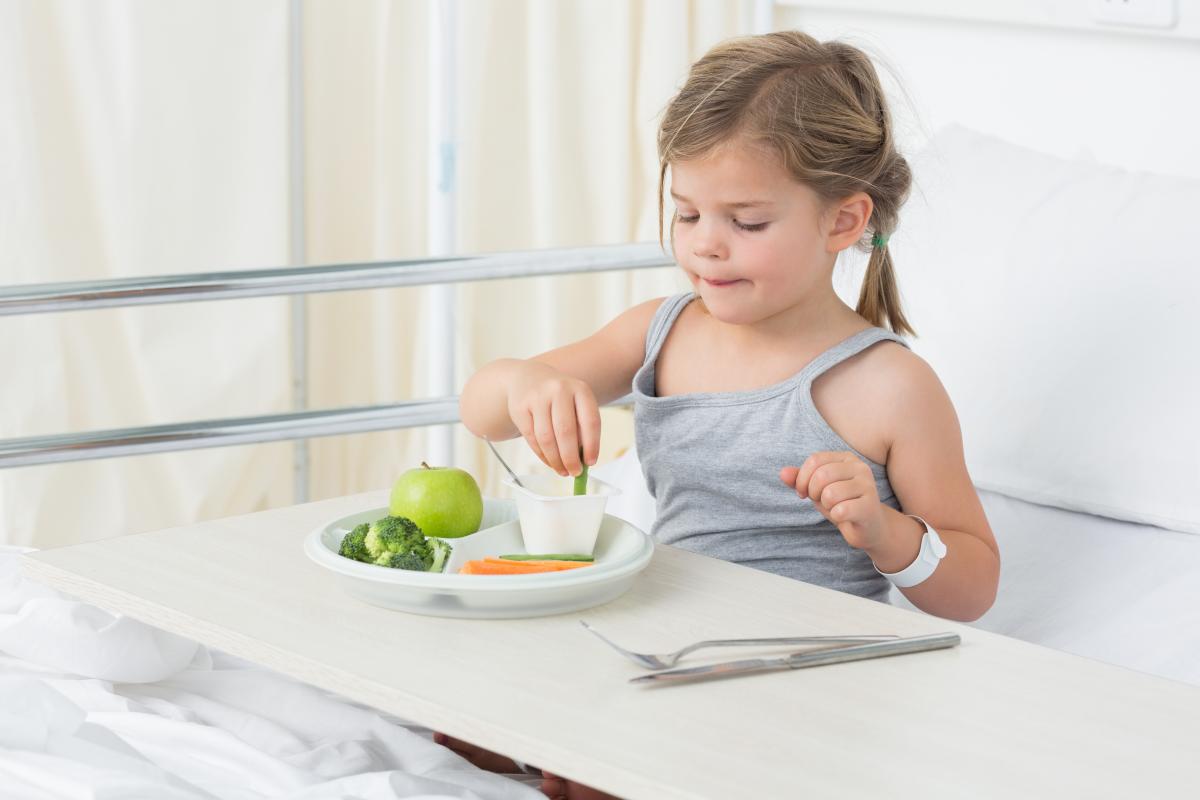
<point x="1062" y="332"/>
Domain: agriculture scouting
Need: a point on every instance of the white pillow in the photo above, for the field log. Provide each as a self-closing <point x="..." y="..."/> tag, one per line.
<point x="1056" y="300"/>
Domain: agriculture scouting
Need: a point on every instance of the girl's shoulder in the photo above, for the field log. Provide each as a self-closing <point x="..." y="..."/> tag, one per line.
<point x="629" y="330"/>
<point x="634" y="322"/>
<point x="871" y="396"/>
<point x="888" y="370"/>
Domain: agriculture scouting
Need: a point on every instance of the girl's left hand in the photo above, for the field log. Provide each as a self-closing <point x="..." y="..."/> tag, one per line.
<point x="843" y="489"/>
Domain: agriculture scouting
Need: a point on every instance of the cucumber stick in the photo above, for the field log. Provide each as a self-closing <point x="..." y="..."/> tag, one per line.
<point x="547" y="557"/>
<point x="581" y="478"/>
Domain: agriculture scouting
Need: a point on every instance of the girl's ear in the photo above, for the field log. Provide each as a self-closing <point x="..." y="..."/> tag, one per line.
<point x="848" y="219"/>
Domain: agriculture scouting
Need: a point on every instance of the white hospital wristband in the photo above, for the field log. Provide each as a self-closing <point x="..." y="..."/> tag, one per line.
<point x="931" y="553"/>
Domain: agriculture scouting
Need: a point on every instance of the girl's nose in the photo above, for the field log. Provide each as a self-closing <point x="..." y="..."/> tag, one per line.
<point x="707" y="242"/>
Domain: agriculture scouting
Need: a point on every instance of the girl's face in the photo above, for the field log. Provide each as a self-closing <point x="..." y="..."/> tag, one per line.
<point x="747" y="235"/>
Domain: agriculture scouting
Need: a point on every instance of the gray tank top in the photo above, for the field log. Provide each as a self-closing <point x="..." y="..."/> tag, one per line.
<point x="711" y="461"/>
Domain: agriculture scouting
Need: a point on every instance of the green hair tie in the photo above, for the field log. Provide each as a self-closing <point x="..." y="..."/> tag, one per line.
<point x="880" y="240"/>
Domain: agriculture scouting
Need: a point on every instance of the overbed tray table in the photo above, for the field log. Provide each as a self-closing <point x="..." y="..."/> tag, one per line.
<point x="993" y="717"/>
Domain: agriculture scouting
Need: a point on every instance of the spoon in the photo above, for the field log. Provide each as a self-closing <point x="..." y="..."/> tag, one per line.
<point x="503" y="463"/>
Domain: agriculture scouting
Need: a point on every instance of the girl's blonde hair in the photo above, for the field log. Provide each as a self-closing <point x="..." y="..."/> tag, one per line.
<point x="820" y="106"/>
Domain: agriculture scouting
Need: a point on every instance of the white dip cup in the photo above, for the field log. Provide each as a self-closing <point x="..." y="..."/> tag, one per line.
<point x="553" y="520"/>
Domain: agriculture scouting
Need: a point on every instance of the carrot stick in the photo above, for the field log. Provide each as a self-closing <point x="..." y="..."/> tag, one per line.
<point x="514" y="564"/>
<point x="497" y="566"/>
<point x="481" y="567"/>
<point x="546" y="562"/>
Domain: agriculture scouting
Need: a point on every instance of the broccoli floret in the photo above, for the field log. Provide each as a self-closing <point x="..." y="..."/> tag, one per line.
<point x="353" y="545"/>
<point x="441" y="554"/>
<point x="398" y="543"/>
<point x="410" y="560"/>
<point x="392" y="535"/>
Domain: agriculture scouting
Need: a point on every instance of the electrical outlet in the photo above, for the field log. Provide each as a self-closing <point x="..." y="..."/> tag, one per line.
<point x="1138" y="13"/>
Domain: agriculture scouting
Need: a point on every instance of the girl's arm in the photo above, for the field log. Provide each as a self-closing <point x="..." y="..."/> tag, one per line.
<point x="928" y="473"/>
<point x="553" y="399"/>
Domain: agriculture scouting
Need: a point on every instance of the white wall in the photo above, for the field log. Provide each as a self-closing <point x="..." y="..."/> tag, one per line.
<point x="1124" y="97"/>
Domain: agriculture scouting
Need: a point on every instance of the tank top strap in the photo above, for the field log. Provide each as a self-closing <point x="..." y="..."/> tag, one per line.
<point x="660" y="325"/>
<point x="847" y="348"/>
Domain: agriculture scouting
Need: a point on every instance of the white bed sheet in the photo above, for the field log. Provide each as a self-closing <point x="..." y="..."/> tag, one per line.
<point x="94" y="705"/>
<point x="1119" y="592"/>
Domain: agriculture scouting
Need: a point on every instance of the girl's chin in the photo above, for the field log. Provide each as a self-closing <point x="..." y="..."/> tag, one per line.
<point x="722" y="307"/>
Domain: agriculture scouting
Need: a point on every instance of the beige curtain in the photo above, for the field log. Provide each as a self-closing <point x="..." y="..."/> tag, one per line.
<point x="141" y="138"/>
<point x="558" y="103"/>
<point x="147" y="137"/>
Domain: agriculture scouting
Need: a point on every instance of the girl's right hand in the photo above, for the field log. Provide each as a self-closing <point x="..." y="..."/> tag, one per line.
<point x="557" y="415"/>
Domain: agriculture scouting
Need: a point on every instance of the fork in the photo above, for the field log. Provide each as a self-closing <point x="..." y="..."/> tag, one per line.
<point x="504" y="463"/>
<point x="665" y="660"/>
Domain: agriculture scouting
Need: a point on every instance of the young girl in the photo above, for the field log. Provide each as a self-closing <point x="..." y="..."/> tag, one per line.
<point x="776" y="427"/>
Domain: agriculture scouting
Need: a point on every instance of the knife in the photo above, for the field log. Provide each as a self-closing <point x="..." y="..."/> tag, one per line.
<point x="806" y="658"/>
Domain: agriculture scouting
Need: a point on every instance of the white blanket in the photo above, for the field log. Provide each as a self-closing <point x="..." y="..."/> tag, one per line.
<point x="94" y="705"/>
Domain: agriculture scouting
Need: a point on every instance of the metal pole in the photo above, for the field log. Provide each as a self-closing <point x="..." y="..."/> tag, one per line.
<point x="42" y="298"/>
<point x="297" y="254"/>
<point x="57" y="448"/>
<point x="293" y="426"/>
<point x="442" y="193"/>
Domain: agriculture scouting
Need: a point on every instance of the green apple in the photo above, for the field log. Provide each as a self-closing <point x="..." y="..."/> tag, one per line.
<point x="443" y="501"/>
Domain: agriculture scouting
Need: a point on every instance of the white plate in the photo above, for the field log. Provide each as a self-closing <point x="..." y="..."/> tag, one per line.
<point x="622" y="551"/>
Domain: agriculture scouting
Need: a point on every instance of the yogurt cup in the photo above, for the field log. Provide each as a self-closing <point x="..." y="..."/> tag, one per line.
<point x="553" y="520"/>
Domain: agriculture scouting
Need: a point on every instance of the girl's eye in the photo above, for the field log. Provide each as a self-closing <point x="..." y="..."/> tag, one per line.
<point x="758" y="226"/>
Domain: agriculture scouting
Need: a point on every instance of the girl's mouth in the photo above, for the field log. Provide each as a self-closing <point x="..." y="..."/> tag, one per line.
<point x="720" y="283"/>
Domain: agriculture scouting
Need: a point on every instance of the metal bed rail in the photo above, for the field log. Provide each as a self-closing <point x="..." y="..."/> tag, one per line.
<point x="78" y="296"/>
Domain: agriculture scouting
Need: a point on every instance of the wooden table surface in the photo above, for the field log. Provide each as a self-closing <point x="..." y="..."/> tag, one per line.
<point x="992" y="717"/>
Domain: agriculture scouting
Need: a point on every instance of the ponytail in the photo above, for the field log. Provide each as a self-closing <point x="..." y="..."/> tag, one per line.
<point x="879" y="299"/>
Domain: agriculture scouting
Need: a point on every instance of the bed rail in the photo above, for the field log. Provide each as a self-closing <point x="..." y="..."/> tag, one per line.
<point x="46" y="297"/>
<point x="78" y="296"/>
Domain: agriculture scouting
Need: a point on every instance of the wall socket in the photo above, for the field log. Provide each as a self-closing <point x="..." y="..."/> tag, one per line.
<point x="1137" y="13"/>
